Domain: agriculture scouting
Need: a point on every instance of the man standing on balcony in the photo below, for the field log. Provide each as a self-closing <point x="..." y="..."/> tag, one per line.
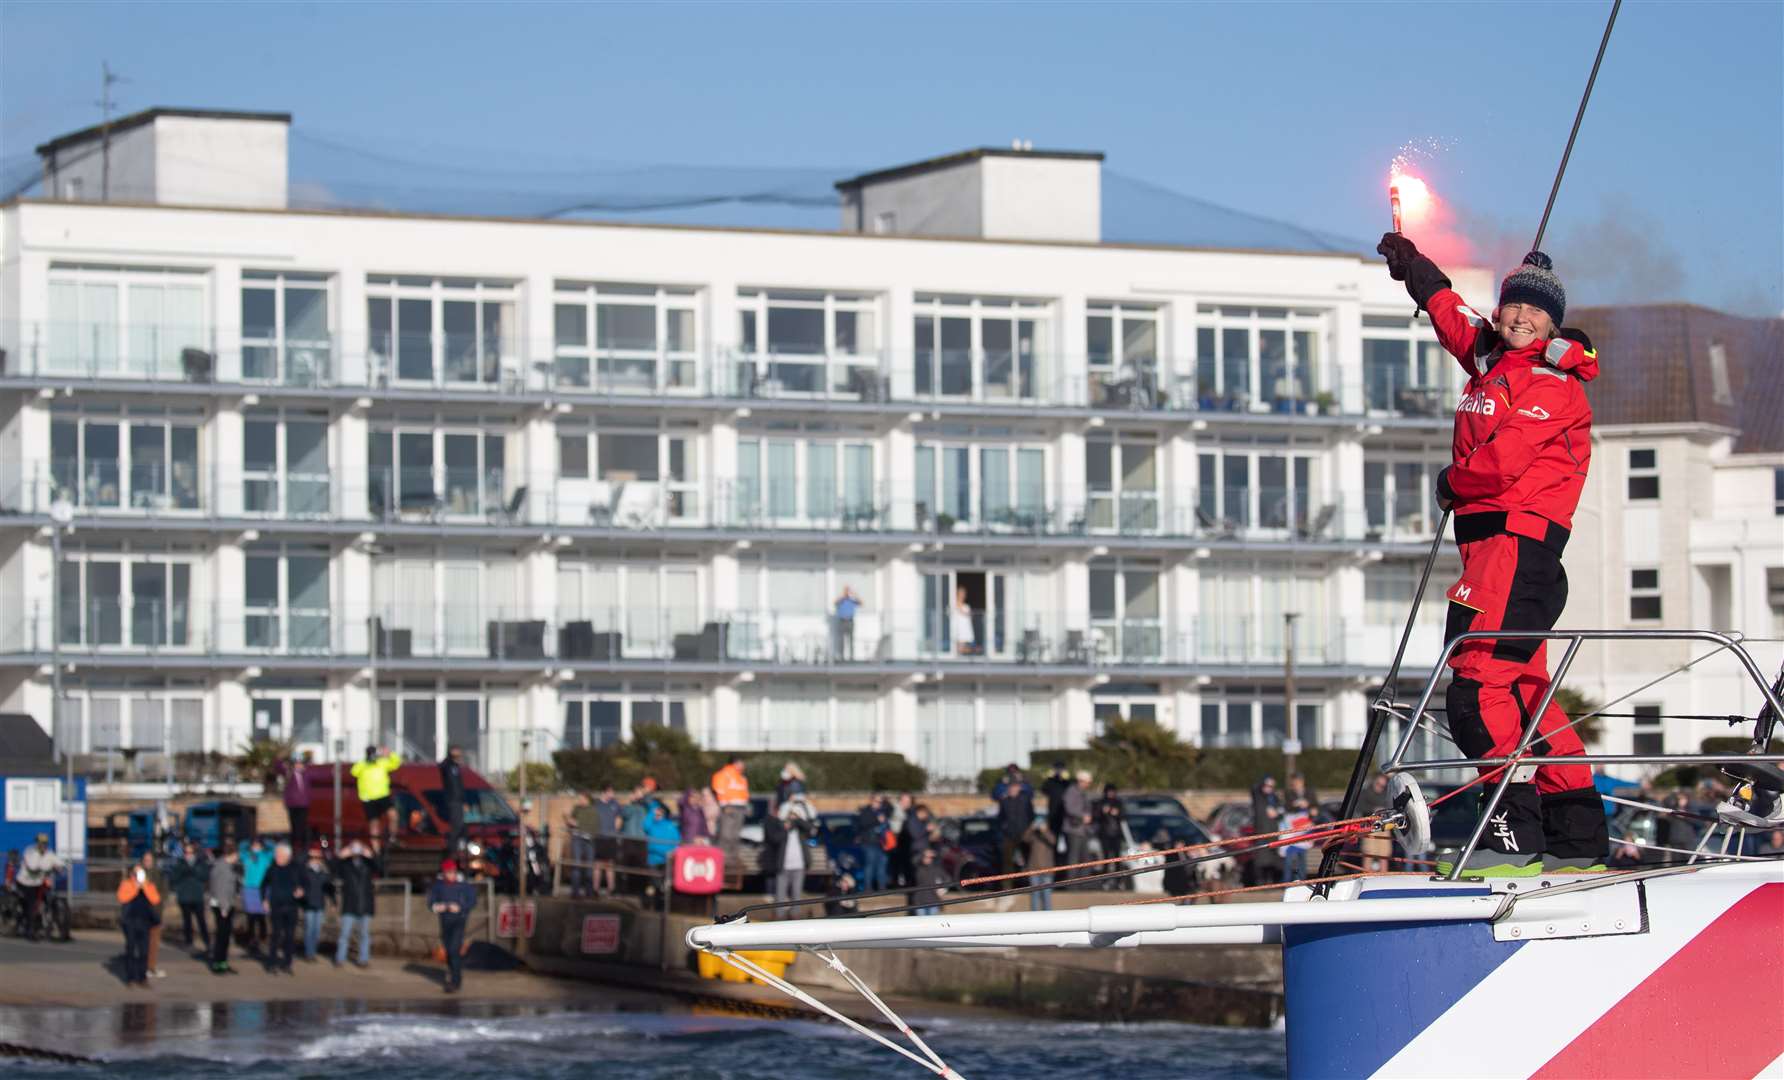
<point x="733" y="793"/>
<point x="1522" y="444"/>
<point x="846" y="606"/>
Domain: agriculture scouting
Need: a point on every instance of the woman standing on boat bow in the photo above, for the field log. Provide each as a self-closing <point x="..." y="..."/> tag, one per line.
<point x="1521" y="449"/>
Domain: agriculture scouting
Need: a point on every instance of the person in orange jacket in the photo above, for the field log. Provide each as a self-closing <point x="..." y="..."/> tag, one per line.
<point x="733" y="792"/>
<point x="141" y="912"/>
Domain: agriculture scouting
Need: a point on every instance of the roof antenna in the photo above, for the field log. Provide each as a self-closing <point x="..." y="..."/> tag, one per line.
<point x="106" y="78"/>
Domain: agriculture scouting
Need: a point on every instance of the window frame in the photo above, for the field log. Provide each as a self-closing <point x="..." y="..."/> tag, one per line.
<point x="295" y="361"/>
<point x="1640" y="593"/>
<point x="590" y="366"/>
<point x="495" y="357"/>
<point x="1641" y="475"/>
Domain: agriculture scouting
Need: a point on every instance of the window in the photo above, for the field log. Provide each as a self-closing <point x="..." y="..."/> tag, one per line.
<point x="980" y="347"/>
<point x="285" y="328"/>
<point x="615" y="338"/>
<point x="1404" y="370"/>
<point x="808" y="343"/>
<point x="125" y="600"/>
<point x="452" y="331"/>
<point x="1644" y="594"/>
<point x="1257" y="359"/>
<point x="995" y="486"/>
<point x="1122" y="475"/>
<point x="286" y="599"/>
<point x="838" y="482"/>
<point x="429" y="472"/>
<point x="1649" y="732"/>
<point x="1778" y="492"/>
<point x="136" y="322"/>
<point x="1644" y="475"/>
<point x="285" y="470"/>
<point x="140" y="462"/>
<point x="1126" y="609"/>
<point x="636" y="479"/>
<point x="1123" y="344"/>
<point x="1241" y="489"/>
<point x="1398" y="486"/>
<point x="32" y="800"/>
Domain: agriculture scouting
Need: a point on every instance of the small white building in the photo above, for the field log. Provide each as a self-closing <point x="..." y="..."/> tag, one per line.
<point x="1682" y="521"/>
<point x="345" y="477"/>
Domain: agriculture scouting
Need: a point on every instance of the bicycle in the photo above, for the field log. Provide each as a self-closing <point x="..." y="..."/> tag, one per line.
<point x="51" y="922"/>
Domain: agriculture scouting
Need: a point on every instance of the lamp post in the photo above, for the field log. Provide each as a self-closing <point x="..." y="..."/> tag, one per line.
<point x="1288" y="692"/>
<point x="523" y="860"/>
<point x="61" y="516"/>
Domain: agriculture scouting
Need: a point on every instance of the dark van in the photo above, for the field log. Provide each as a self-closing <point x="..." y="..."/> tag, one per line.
<point x="422" y="816"/>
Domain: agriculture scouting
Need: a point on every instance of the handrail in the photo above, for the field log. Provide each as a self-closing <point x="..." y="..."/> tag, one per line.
<point x="1574" y="639"/>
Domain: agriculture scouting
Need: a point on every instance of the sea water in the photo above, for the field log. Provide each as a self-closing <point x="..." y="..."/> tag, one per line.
<point x="483" y="1041"/>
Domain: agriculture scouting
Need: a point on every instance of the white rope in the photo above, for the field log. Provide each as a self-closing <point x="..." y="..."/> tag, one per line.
<point x="750" y="967"/>
<point x="829" y="956"/>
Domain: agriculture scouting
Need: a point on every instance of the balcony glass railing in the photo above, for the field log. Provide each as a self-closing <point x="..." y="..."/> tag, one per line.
<point x="460" y="499"/>
<point x="505" y="364"/>
<point x="471" y="634"/>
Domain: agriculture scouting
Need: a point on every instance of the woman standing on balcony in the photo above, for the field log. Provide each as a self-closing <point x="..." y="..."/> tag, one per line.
<point x="961" y="624"/>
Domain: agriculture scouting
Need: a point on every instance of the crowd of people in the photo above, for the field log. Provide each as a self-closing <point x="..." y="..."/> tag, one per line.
<point x="255" y="895"/>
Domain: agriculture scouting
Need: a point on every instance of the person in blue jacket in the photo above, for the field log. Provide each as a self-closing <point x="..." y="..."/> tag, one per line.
<point x="452" y="898"/>
<point x="662" y="832"/>
<point x="257" y="859"/>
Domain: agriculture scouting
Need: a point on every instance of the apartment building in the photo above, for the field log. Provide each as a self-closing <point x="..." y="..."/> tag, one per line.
<point x="343" y="477"/>
<point x="1681" y="524"/>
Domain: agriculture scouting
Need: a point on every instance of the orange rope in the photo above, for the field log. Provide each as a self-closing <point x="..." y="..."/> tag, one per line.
<point x="1339" y="827"/>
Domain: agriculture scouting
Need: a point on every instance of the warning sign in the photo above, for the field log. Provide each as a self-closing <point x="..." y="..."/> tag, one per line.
<point x="514" y="919"/>
<point x="600" y="935"/>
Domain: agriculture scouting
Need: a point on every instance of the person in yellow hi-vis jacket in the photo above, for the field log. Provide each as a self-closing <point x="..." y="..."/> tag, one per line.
<point x="373" y="778"/>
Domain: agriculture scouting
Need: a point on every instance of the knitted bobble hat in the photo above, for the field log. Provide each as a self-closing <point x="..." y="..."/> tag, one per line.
<point x="1535" y="283"/>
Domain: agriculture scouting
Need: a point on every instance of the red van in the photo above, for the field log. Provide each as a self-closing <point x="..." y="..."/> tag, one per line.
<point x="422" y="822"/>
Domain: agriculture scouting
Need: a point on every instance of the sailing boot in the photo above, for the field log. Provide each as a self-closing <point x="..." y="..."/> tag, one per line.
<point x="1575" y="834"/>
<point x="1512" y="844"/>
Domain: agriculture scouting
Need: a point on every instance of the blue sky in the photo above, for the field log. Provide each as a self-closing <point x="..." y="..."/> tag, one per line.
<point x="1676" y="190"/>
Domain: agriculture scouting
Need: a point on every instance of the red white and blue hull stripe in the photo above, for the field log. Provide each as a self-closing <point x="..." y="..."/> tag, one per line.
<point x="1696" y="990"/>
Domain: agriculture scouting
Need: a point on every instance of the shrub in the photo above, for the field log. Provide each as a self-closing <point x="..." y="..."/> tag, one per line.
<point x="676" y="762"/>
<point x="1157" y="760"/>
<point x="541" y="778"/>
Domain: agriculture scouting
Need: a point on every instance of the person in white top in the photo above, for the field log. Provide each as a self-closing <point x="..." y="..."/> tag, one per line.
<point x="961" y="625"/>
<point x="37" y="870"/>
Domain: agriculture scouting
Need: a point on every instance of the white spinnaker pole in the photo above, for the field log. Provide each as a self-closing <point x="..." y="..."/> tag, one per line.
<point x="1107" y="923"/>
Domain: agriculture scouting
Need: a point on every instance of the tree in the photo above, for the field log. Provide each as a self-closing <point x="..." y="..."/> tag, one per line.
<point x="259" y="759"/>
<point x="1140" y="754"/>
<point x="1575" y="705"/>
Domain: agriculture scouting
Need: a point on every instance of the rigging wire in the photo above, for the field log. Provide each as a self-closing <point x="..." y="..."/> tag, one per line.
<point x="1577" y="117"/>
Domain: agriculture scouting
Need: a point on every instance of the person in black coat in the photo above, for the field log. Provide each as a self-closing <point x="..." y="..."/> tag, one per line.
<point x="1265" y="863"/>
<point x="282" y="892"/>
<point x="452" y="898"/>
<point x="187" y="876"/>
<point x="452" y="790"/>
<point x="353" y="876"/>
<point x="1110" y="817"/>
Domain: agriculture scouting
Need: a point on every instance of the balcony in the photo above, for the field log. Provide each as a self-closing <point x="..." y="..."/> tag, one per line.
<point x="450" y="366"/>
<point x="469" y="502"/>
<point x="452" y="636"/>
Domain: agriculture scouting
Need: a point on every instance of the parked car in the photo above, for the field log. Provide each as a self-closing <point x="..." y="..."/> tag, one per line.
<point x="970" y="846"/>
<point x="423" y="819"/>
<point x="836" y="832"/>
<point x="1152" y="803"/>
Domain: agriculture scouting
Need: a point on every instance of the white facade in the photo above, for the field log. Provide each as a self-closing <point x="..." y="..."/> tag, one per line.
<point x="1675" y="531"/>
<point x="581" y="477"/>
<point x="174" y="157"/>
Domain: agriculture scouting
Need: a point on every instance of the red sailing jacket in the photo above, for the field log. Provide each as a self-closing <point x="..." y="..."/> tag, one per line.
<point x="1523" y="428"/>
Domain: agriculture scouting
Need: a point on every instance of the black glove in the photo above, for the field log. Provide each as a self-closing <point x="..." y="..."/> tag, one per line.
<point x="1399" y="252"/>
<point x="1446" y="495"/>
<point x="1423" y="278"/>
